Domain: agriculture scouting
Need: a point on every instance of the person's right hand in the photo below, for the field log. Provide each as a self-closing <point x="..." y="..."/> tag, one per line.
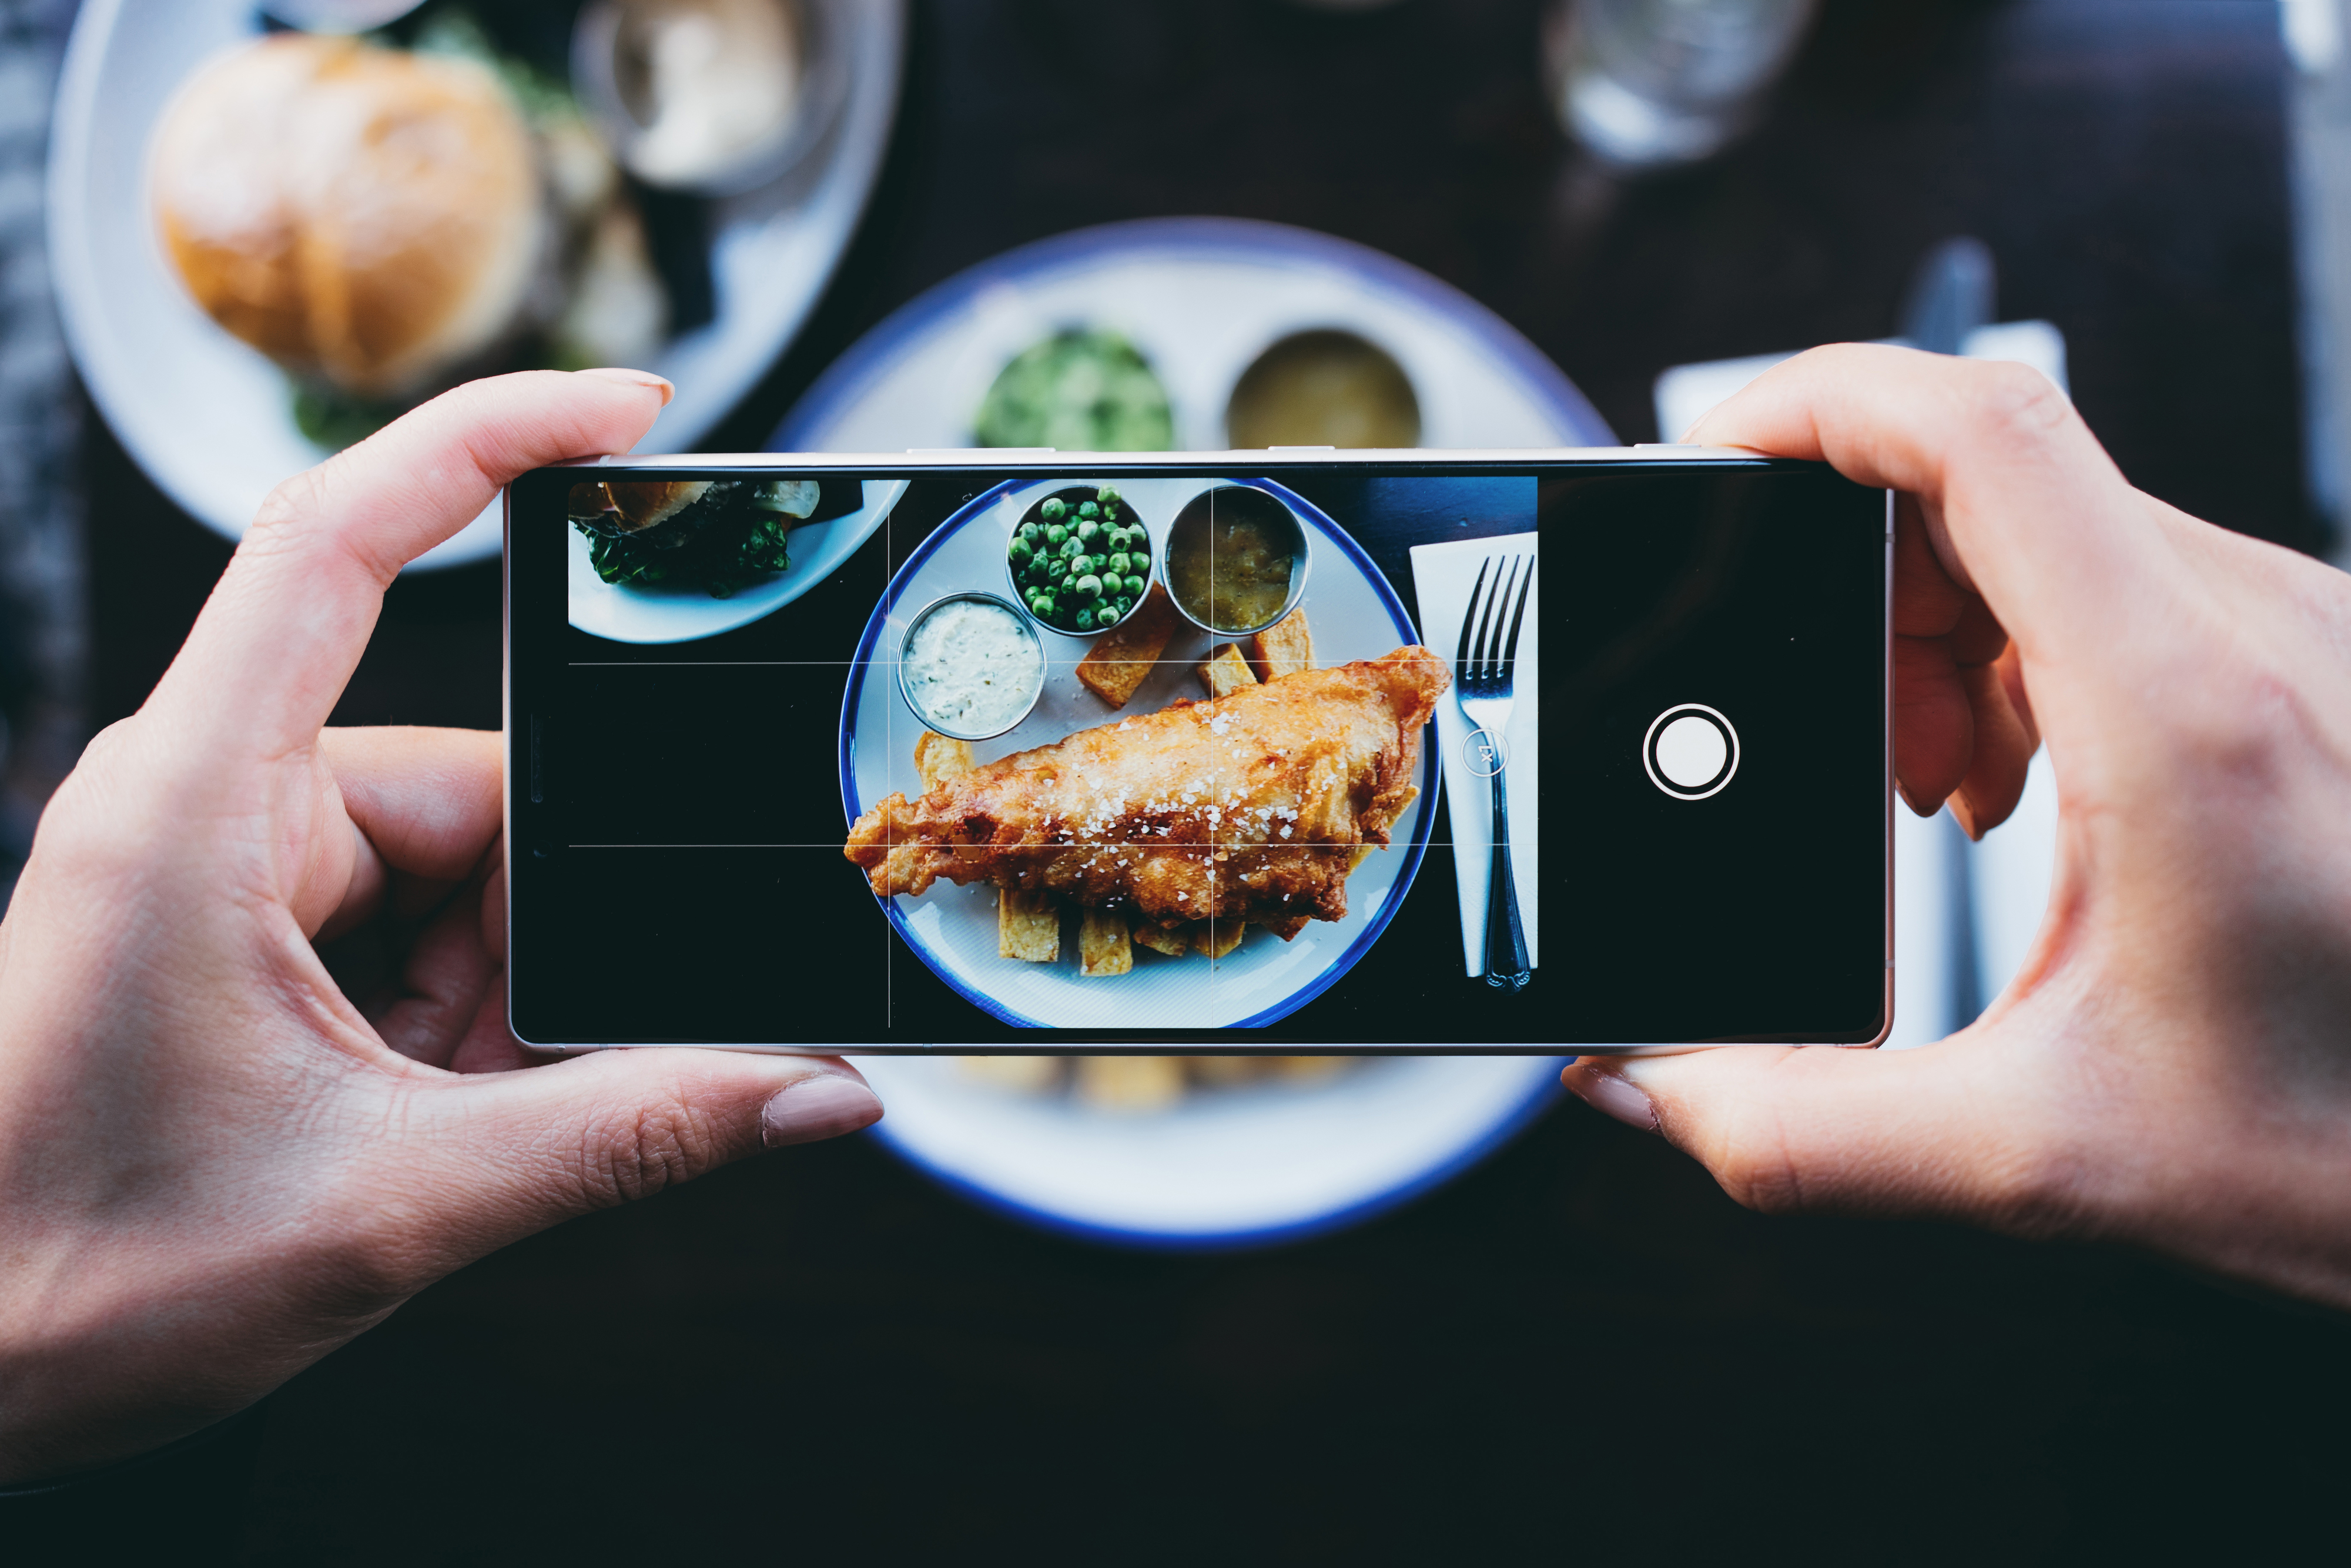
<point x="2171" y="1067"/>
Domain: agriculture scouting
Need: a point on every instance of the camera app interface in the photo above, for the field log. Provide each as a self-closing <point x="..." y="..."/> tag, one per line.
<point x="1280" y="758"/>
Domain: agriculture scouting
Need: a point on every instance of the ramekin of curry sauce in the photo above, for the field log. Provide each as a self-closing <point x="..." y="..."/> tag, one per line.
<point x="1235" y="561"/>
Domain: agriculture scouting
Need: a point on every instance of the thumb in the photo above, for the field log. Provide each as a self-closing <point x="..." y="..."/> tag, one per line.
<point x="509" y="1153"/>
<point x="1943" y="1129"/>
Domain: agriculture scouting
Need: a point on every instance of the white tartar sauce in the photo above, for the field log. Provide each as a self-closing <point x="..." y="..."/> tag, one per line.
<point x="972" y="667"/>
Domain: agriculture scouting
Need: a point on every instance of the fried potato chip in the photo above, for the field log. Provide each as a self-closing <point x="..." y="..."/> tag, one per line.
<point x="1102" y="944"/>
<point x="1015" y="1075"/>
<point x="1027" y="927"/>
<point x="938" y="759"/>
<point x="1218" y="937"/>
<point x="1284" y="648"/>
<point x="1172" y="941"/>
<point x="1122" y="658"/>
<point x="1226" y="670"/>
<point x="1129" y="1085"/>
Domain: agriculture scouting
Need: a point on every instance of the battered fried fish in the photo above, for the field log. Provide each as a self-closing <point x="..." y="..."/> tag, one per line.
<point x="1248" y="807"/>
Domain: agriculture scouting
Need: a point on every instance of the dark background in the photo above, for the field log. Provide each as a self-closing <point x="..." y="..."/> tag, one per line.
<point x="1580" y="1349"/>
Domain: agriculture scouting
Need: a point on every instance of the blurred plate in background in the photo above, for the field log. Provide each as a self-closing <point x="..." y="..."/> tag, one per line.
<point x="1229" y="1168"/>
<point x="1202" y="299"/>
<point x="209" y="418"/>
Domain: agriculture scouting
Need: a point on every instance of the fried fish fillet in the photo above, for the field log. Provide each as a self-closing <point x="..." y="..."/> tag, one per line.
<point x="1250" y="807"/>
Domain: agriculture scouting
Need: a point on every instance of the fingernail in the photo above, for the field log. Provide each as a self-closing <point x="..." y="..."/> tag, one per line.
<point x="635" y="379"/>
<point x="1607" y="1092"/>
<point x="824" y="1106"/>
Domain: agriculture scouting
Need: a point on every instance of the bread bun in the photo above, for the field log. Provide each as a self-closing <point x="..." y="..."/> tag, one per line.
<point x="365" y="215"/>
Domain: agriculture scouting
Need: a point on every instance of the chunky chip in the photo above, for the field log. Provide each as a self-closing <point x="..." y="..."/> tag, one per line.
<point x="1226" y="670"/>
<point x="1102" y="944"/>
<point x="1284" y="648"/>
<point x="938" y="759"/>
<point x="1027" y="927"/>
<point x="1122" y="657"/>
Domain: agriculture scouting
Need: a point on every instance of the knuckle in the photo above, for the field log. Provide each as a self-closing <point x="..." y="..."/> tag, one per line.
<point x="2015" y="404"/>
<point x="2243" y="732"/>
<point x="96" y="818"/>
<point x="286" y="514"/>
<point x="1758" y="1169"/>
<point x="639" y="1150"/>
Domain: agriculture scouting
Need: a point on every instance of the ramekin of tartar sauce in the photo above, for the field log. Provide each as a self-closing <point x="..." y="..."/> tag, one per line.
<point x="971" y="666"/>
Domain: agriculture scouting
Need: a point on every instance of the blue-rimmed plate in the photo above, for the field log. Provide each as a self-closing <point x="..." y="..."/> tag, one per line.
<point x="1202" y="299"/>
<point x="1354" y="613"/>
<point x="1269" y="1163"/>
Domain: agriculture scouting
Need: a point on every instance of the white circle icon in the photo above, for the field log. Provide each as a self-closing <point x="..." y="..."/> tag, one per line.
<point x="1690" y="751"/>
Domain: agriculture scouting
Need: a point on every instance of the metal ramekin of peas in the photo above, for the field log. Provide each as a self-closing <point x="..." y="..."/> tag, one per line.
<point x="1080" y="561"/>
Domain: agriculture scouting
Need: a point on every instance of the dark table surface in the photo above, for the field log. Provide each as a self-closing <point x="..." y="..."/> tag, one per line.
<point x="1581" y="1346"/>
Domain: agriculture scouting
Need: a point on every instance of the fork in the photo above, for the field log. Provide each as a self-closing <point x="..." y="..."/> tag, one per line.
<point x="1485" y="671"/>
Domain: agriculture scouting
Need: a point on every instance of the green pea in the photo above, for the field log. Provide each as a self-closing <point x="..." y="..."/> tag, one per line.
<point x="1119" y="563"/>
<point x="1056" y="534"/>
<point x="1124" y="605"/>
<point x="1107" y="495"/>
<point x="1029" y="531"/>
<point x="1088" y="509"/>
<point x="1021" y="553"/>
<point x="1085" y="620"/>
<point x="1135" y="586"/>
<point x="1089" y="530"/>
<point x="1044" y="604"/>
<point x="1053" y="511"/>
<point x="1067" y="549"/>
<point x="1090" y="587"/>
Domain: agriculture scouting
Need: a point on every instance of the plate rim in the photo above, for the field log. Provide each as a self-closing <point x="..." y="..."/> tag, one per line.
<point x="1545" y="1093"/>
<point x="846" y="380"/>
<point x="1432" y="776"/>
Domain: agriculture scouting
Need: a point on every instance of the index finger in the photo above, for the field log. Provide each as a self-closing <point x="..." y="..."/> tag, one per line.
<point x="286" y="625"/>
<point x="2022" y="503"/>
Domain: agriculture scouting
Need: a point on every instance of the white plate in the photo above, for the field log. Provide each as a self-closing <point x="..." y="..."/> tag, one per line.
<point x="1355" y="615"/>
<point x="208" y="417"/>
<point x="1201" y="298"/>
<point x="1267" y="1164"/>
<point x="683" y="614"/>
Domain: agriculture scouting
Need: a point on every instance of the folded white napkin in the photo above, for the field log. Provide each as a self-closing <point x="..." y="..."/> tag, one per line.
<point x="1443" y="576"/>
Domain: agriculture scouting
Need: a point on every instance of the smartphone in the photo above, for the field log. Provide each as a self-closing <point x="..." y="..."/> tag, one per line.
<point x="1294" y="751"/>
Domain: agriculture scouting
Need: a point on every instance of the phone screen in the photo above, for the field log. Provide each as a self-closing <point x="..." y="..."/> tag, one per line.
<point x="1297" y="757"/>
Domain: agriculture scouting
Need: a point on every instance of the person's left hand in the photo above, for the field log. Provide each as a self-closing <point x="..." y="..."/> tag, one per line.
<point x="257" y="1086"/>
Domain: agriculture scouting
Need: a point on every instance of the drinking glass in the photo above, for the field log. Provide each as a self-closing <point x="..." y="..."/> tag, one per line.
<point x="1647" y="83"/>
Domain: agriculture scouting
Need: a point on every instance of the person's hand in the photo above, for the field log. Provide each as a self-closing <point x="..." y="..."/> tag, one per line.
<point x="217" y="1163"/>
<point x="2171" y="1067"/>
